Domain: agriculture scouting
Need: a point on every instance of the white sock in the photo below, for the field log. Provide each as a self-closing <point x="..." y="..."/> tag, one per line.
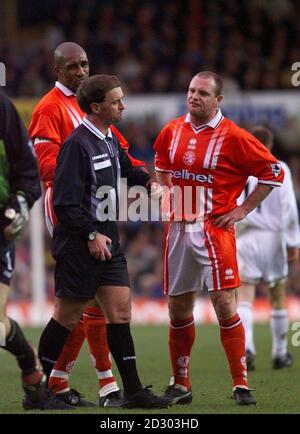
<point x="245" y="310"/>
<point x="279" y="328"/>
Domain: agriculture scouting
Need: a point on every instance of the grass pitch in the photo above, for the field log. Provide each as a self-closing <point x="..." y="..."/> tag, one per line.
<point x="276" y="391"/>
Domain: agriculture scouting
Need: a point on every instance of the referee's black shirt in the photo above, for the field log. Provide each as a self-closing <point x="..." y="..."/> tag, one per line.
<point x="89" y="160"/>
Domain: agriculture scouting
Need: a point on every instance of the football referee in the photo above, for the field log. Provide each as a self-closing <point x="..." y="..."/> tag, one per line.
<point x="89" y="260"/>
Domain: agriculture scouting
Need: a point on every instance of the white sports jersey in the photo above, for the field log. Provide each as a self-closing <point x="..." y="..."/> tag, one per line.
<point x="277" y="213"/>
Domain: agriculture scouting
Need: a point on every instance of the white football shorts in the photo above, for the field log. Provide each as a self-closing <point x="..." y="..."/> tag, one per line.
<point x="262" y="256"/>
<point x="198" y="256"/>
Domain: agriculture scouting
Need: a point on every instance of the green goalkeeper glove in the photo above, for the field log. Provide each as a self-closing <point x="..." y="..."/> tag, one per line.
<point x="17" y="215"/>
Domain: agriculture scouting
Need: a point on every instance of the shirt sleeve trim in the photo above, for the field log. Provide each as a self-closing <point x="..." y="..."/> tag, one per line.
<point x="157" y="169"/>
<point x="271" y="183"/>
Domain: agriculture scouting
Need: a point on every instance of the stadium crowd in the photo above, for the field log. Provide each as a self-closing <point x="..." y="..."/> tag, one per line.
<point x="144" y="42"/>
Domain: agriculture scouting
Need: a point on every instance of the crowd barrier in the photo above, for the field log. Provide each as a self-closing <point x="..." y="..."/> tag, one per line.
<point x="147" y="311"/>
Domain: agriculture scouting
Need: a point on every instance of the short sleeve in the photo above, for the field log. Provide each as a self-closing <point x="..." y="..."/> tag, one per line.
<point x="46" y="124"/>
<point x="254" y="159"/>
<point x="161" y="149"/>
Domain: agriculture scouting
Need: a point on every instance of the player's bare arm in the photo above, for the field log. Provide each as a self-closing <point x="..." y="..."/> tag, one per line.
<point x="164" y="178"/>
<point x="240" y="212"/>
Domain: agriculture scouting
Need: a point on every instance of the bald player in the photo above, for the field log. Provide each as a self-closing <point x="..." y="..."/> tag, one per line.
<point x="53" y="120"/>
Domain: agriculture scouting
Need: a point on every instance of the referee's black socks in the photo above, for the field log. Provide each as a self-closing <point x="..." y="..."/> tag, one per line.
<point x="52" y="341"/>
<point x="122" y="349"/>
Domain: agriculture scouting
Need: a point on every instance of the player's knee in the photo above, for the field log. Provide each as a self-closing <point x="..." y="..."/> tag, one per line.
<point x="2" y="313"/>
<point x="223" y="308"/>
<point x="69" y="322"/>
<point x="4" y="291"/>
<point x="68" y="319"/>
<point x="68" y="311"/>
<point x="179" y="309"/>
<point x="119" y="313"/>
<point x="277" y="297"/>
<point x="278" y="304"/>
<point x="124" y="312"/>
<point x="124" y="317"/>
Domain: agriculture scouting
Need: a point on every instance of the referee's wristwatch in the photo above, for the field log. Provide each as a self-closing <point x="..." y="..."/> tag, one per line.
<point x="92" y="235"/>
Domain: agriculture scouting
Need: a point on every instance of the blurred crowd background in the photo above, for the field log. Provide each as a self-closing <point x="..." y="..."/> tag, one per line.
<point x="155" y="47"/>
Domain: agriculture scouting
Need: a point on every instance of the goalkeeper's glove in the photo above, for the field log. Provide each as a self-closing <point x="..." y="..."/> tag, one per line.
<point x="17" y="216"/>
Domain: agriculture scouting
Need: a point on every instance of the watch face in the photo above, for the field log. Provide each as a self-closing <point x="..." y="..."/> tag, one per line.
<point x="92" y="236"/>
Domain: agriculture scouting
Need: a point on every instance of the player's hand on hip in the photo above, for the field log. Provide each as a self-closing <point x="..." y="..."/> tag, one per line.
<point x="17" y="217"/>
<point x="226" y="221"/>
<point x="100" y="247"/>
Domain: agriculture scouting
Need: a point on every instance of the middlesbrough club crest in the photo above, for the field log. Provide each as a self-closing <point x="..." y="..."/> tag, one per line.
<point x="189" y="158"/>
<point x="183" y="361"/>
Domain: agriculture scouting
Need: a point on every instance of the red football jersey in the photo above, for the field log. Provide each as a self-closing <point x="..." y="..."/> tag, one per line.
<point x="210" y="165"/>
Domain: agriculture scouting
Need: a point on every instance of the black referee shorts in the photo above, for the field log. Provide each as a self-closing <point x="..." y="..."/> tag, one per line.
<point x="78" y="274"/>
<point x="7" y="262"/>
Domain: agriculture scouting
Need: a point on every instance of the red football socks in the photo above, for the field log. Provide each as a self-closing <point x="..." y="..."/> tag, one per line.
<point x="233" y="340"/>
<point x="181" y="340"/>
<point x="59" y="376"/>
<point x="95" y="331"/>
<point x="93" y="327"/>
